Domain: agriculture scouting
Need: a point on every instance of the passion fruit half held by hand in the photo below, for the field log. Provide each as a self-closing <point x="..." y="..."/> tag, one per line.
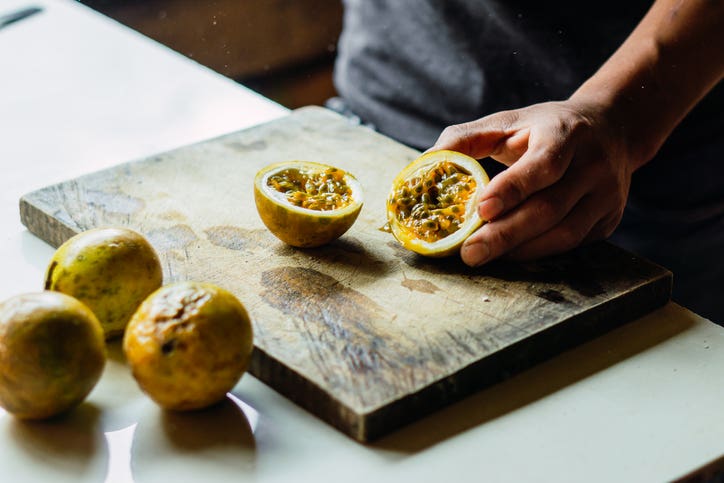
<point x="432" y="207"/>
<point x="111" y="270"/>
<point x="188" y="344"/>
<point x="307" y="204"/>
<point x="52" y="354"/>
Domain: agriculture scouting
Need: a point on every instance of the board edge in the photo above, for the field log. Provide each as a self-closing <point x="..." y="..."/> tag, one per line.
<point x="518" y="357"/>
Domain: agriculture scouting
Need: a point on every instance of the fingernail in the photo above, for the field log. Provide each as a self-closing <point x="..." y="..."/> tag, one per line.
<point x="490" y="208"/>
<point x="475" y="253"/>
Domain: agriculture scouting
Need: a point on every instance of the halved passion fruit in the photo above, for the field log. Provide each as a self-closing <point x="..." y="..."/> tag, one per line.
<point x="432" y="206"/>
<point x="307" y="204"/>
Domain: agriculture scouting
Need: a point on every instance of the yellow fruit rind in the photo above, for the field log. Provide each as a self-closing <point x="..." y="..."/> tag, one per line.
<point x="111" y="270"/>
<point x="52" y="354"/>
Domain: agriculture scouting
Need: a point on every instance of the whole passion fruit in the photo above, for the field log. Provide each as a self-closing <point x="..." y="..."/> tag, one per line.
<point x="52" y="354"/>
<point x="431" y="208"/>
<point x="111" y="270"/>
<point x="307" y="204"/>
<point x="188" y="344"/>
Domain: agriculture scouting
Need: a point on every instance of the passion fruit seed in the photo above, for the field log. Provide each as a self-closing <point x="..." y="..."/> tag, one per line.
<point x="307" y="204"/>
<point x="314" y="190"/>
<point x="432" y="204"/>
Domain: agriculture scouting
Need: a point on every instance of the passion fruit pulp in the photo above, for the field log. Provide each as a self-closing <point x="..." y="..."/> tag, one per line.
<point x="52" y="354"/>
<point x="307" y="204"/>
<point x="111" y="270"/>
<point x="188" y="344"/>
<point x="431" y="208"/>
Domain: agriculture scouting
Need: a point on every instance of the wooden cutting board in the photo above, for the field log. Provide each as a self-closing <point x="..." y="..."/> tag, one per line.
<point x="361" y="332"/>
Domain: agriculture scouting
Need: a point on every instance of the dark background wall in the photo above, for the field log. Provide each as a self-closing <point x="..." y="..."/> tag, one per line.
<point x="283" y="49"/>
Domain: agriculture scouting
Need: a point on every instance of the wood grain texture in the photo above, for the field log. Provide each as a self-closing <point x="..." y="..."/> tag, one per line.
<point x="363" y="333"/>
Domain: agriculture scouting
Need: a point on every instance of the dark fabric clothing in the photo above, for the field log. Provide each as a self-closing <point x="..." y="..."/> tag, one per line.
<point x="413" y="67"/>
<point x="416" y="66"/>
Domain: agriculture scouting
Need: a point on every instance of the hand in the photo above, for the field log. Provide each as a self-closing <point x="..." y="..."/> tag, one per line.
<point x="566" y="184"/>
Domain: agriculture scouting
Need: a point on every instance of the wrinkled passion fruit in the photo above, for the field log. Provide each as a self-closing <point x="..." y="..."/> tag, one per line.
<point x="307" y="204"/>
<point x="52" y="354"/>
<point x="188" y="344"/>
<point x="111" y="270"/>
<point x="431" y="208"/>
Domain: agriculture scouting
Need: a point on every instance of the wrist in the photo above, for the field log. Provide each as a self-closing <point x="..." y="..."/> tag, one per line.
<point x="621" y="126"/>
<point x="626" y="96"/>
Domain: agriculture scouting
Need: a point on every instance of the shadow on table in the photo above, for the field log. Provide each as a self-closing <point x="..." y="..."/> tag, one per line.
<point x="115" y="351"/>
<point x="223" y="424"/>
<point x="33" y="246"/>
<point x="540" y="381"/>
<point x="65" y="445"/>
<point x="217" y="440"/>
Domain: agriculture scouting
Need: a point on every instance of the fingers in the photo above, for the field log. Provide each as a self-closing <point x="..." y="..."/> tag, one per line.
<point x="543" y="164"/>
<point x="586" y="222"/>
<point x="531" y="220"/>
<point x="571" y="232"/>
<point x="536" y="143"/>
<point x="489" y="136"/>
<point x="536" y="158"/>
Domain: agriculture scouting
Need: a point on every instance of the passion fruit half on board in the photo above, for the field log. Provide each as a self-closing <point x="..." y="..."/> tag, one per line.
<point x="307" y="204"/>
<point x="432" y="207"/>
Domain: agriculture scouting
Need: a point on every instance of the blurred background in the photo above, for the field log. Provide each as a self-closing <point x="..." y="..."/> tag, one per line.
<point x="283" y="49"/>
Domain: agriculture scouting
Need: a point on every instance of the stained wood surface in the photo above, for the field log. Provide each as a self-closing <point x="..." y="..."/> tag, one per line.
<point x="362" y="333"/>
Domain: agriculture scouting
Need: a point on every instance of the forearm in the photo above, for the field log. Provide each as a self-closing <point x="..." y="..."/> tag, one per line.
<point x="667" y="64"/>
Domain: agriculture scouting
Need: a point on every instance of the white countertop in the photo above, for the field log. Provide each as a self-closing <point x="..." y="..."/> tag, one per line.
<point x="80" y="92"/>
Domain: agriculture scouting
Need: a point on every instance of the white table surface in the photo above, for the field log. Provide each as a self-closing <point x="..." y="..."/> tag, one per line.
<point x="79" y="92"/>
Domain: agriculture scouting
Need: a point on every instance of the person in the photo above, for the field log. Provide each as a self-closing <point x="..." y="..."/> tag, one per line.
<point x="606" y="117"/>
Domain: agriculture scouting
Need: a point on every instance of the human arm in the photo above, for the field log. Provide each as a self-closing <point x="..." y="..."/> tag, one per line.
<point x="570" y="162"/>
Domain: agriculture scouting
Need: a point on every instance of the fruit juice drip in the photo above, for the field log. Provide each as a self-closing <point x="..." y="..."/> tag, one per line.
<point x="315" y="190"/>
<point x="431" y="204"/>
